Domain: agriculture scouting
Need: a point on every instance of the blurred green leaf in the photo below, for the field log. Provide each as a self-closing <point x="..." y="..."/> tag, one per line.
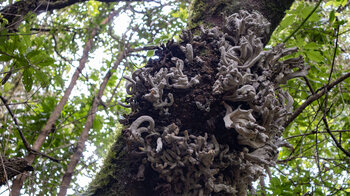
<point x="28" y="79"/>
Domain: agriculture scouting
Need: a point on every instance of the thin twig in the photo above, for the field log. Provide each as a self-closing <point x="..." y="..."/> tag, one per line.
<point x="26" y="144"/>
<point x="307" y="18"/>
<point x="143" y="48"/>
<point x="8" y="75"/>
<point x="317" y="156"/>
<point x="308" y="128"/>
<point x="20" y="103"/>
<point x="326" y="100"/>
<point x="116" y="88"/>
<point x="314" y="132"/>
<point x="314" y="97"/>
<point x="328" y="130"/>
<point x="341" y="8"/>
<point x="5" y="173"/>
<point x="56" y="49"/>
<point x="309" y="85"/>
<point x="310" y="157"/>
<point x="334" y="54"/>
<point x="17" y="34"/>
<point x="300" y="153"/>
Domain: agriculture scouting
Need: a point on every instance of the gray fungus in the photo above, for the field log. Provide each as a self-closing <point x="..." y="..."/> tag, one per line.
<point x="255" y="107"/>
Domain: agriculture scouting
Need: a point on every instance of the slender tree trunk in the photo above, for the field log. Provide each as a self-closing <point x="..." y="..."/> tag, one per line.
<point x="67" y="177"/>
<point x="18" y="182"/>
<point x="175" y="138"/>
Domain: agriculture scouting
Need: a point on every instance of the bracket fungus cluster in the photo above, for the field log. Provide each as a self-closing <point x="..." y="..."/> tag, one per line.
<point x="207" y="115"/>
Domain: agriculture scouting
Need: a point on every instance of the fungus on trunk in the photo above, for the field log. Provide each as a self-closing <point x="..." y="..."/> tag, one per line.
<point x="207" y="116"/>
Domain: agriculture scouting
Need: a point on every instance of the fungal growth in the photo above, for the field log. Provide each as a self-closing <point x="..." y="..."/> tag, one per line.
<point x="207" y="115"/>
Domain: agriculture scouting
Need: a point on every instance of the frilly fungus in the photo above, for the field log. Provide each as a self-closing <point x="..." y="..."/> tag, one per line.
<point x="219" y="109"/>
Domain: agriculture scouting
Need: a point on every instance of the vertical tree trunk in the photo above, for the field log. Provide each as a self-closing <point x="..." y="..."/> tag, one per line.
<point x="205" y="120"/>
<point x="67" y="177"/>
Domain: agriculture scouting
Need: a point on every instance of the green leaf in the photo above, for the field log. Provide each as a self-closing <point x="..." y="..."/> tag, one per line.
<point x="41" y="77"/>
<point x="7" y="87"/>
<point x="332" y="16"/>
<point x="21" y="61"/>
<point x="39" y="57"/>
<point x="150" y="53"/>
<point x="314" y="17"/>
<point x="28" y="79"/>
<point x="33" y="54"/>
<point x="26" y="40"/>
<point x="59" y="80"/>
<point x="287" y="21"/>
<point x="275" y="182"/>
<point x="5" y="57"/>
<point x="46" y="62"/>
<point x="20" y="45"/>
<point x="311" y="45"/>
<point x="98" y="123"/>
<point x="315" y="56"/>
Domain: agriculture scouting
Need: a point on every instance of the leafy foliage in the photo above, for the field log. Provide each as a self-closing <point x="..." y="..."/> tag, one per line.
<point x="316" y="165"/>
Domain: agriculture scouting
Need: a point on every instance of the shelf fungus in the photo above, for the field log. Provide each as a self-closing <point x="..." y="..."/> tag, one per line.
<point x="208" y="113"/>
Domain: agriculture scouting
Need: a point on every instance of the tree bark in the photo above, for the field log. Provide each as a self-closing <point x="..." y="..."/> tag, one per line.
<point x="10" y="168"/>
<point x="212" y="13"/>
<point x="15" y="13"/>
<point x="125" y="171"/>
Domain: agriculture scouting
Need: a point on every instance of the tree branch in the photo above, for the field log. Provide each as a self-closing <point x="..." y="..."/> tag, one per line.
<point x="302" y="24"/>
<point x="314" y="132"/>
<point x="26" y="144"/>
<point x="80" y="146"/>
<point x="11" y="168"/>
<point x="5" y="173"/>
<point x="314" y="97"/>
<point x="334" y="53"/>
<point x="309" y="85"/>
<point x="16" y="12"/>
<point x="324" y="119"/>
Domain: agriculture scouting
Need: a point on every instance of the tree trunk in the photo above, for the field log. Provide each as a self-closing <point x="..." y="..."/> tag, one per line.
<point x="208" y="114"/>
<point x="75" y="158"/>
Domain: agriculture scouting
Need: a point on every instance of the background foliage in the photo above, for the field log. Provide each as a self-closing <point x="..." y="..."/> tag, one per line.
<point x="39" y="58"/>
<point x="316" y="165"/>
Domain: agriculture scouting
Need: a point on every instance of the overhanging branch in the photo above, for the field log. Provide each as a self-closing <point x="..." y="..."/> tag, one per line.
<point x="15" y="12"/>
<point x="26" y="144"/>
<point x="314" y="97"/>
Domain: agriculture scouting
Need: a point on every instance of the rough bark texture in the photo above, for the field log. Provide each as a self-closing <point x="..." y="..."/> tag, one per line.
<point x="211" y="13"/>
<point x="15" y="13"/>
<point x="192" y="134"/>
<point x="10" y="168"/>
